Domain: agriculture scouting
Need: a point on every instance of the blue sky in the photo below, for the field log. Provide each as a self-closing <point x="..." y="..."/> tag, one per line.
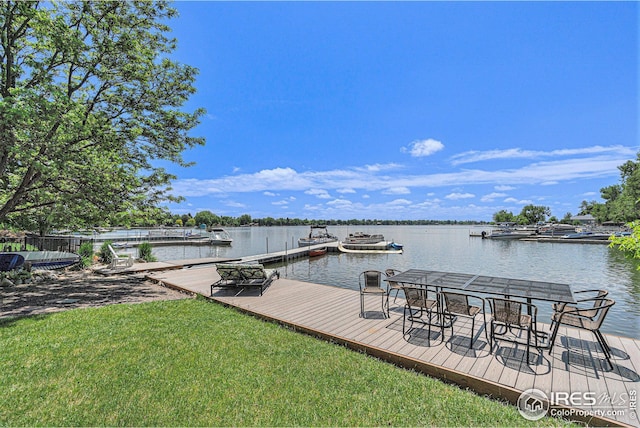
<point x="406" y="110"/>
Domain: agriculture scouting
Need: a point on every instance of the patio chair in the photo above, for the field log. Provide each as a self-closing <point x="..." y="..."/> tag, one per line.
<point x="506" y="316"/>
<point x="585" y="319"/>
<point x="457" y="304"/>
<point x="125" y="260"/>
<point x="417" y="306"/>
<point x="393" y="285"/>
<point x="597" y="294"/>
<point x="370" y="283"/>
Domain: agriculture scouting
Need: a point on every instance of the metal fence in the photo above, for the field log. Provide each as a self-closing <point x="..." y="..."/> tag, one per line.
<point x="43" y="243"/>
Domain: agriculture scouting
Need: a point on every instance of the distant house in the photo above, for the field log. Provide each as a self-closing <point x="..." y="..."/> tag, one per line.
<point x="587" y="220"/>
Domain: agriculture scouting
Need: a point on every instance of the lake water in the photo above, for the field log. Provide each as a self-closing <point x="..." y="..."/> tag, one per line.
<point x="450" y="249"/>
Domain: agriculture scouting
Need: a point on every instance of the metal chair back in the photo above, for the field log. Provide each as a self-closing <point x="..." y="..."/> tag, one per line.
<point x="456" y="303"/>
<point x="370" y="280"/>
<point x="509" y="311"/>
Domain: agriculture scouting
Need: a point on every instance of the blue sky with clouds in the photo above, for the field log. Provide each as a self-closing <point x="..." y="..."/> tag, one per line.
<point x="411" y="110"/>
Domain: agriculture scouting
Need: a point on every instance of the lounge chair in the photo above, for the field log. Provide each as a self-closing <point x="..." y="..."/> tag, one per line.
<point x="124" y="260"/>
<point x="244" y="275"/>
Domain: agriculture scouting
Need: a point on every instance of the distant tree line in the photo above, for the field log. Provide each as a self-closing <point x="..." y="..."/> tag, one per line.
<point x="209" y="219"/>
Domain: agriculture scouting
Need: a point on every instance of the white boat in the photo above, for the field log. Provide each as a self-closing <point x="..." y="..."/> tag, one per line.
<point x="587" y="235"/>
<point x="219" y="236"/>
<point x="556" y="230"/>
<point x="317" y="235"/>
<point x="372" y="250"/>
<point x="362" y="242"/>
<point x="506" y="234"/>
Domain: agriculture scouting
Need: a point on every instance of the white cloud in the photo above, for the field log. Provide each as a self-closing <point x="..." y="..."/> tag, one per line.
<point x="345" y="190"/>
<point x="234" y="204"/>
<point x="503" y="188"/>
<point x="456" y="196"/>
<point x="378" y="167"/>
<point x="397" y="191"/>
<point x="344" y="203"/>
<point x="280" y="203"/>
<point x="396" y="202"/>
<point x="491" y="196"/>
<point x="369" y="180"/>
<point x="269" y="194"/>
<point x="318" y="193"/>
<point x="517" y="153"/>
<point x="421" y="148"/>
<point x="520" y="202"/>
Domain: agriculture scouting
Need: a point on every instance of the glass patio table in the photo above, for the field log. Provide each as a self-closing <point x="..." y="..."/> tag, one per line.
<point x="481" y="284"/>
<point x="498" y="286"/>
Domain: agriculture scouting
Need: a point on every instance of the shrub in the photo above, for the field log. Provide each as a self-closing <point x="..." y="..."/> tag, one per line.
<point x="144" y="252"/>
<point x="105" y="254"/>
<point x="86" y="253"/>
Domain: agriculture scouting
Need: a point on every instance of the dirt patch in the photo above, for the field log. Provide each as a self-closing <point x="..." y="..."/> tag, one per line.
<point x="69" y="290"/>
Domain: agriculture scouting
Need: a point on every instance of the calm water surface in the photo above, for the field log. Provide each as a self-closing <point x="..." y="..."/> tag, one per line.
<point x="451" y="249"/>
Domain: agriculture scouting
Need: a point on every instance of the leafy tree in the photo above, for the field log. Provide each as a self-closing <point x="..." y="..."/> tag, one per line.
<point x="503" y="216"/>
<point x="88" y="101"/>
<point x="191" y="222"/>
<point x="206" y="217"/>
<point x="244" y="219"/>
<point x="533" y="214"/>
<point x="630" y="245"/>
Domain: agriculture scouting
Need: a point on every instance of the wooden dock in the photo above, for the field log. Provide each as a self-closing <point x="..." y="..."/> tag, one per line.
<point x="574" y="367"/>
<point x="275" y="257"/>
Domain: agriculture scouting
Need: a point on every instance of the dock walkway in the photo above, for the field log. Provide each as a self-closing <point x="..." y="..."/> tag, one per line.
<point x="575" y="366"/>
<point x="275" y="257"/>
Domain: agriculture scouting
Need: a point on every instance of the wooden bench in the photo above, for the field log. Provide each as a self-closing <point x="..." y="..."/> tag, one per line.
<point x="244" y="275"/>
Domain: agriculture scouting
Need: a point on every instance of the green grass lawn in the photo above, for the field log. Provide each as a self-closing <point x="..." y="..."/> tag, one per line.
<point x="194" y="363"/>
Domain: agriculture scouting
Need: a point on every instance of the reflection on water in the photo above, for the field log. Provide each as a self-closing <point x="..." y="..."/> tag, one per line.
<point x="451" y="249"/>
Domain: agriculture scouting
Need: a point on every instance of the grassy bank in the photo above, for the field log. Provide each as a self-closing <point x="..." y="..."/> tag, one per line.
<point x="190" y="362"/>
